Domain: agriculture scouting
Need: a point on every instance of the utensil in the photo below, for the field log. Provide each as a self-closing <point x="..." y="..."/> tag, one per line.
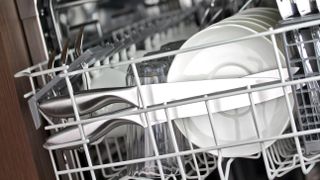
<point x="79" y="42"/>
<point x="63" y="58"/>
<point x="51" y="64"/>
<point x="111" y="78"/>
<point x="92" y="130"/>
<point x="92" y="100"/>
<point x="309" y="68"/>
<point x="302" y="51"/>
<point x="315" y="33"/>
<point x="51" y="59"/>
<point x="64" y="53"/>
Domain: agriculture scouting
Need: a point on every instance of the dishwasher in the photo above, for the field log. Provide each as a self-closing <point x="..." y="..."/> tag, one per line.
<point x="178" y="89"/>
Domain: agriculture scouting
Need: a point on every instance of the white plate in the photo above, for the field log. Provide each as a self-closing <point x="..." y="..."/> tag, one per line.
<point x="263" y="8"/>
<point x="252" y="25"/>
<point x="272" y="13"/>
<point x="249" y="60"/>
<point x="271" y="22"/>
<point x="257" y="21"/>
<point x="268" y="20"/>
<point x="232" y="60"/>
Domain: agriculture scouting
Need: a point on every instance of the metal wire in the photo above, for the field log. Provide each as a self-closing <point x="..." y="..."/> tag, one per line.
<point x="284" y="155"/>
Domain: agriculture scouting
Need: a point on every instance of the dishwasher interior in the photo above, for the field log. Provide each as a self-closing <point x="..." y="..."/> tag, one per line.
<point x="115" y="109"/>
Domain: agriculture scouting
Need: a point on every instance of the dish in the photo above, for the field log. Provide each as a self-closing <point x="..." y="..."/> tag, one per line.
<point x="257" y="21"/>
<point x="272" y="13"/>
<point x="247" y="57"/>
<point x="184" y="66"/>
<point x="264" y="18"/>
<point x="249" y="24"/>
<point x="263" y="8"/>
<point x="254" y="26"/>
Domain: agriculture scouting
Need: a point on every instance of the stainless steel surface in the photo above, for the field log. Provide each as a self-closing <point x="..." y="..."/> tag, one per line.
<point x="51" y="60"/>
<point x="73" y="113"/>
<point x="64" y="53"/>
<point x="88" y="102"/>
<point x="313" y="87"/>
<point x="79" y="42"/>
<point x="301" y="51"/>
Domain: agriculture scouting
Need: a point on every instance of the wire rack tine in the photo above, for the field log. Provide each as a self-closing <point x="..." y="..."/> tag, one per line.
<point x="175" y="144"/>
<point x="145" y="115"/>
<point x="81" y="130"/>
<point x="246" y="5"/>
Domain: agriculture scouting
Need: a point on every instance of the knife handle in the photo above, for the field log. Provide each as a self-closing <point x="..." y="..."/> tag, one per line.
<point x="87" y="102"/>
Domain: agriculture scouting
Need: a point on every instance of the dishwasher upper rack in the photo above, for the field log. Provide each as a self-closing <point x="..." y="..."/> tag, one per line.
<point x="111" y="46"/>
<point x="279" y="159"/>
<point x="52" y="10"/>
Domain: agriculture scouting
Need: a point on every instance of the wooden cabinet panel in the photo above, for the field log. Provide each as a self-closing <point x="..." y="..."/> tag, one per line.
<point x="21" y="152"/>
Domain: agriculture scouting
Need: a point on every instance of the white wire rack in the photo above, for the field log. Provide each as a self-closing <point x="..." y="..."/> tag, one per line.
<point x="286" y="154"/>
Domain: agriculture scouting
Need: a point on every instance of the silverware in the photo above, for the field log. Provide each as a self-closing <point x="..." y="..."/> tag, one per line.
<point x="209" y="10"/>
<point x="315" y="33"/>
<point x="92" y="100"/>
<point x="50" y="64"/>
<point x="51" y="59"/>
<point x="99" y="129"/>
<point x="64" y="53"/>
<point x="79" y="42"/>
<point x="87" y="101"/>
<point x="308" y="68"/>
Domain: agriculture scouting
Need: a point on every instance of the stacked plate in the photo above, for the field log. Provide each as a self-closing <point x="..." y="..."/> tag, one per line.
<point x="229" y="61"/>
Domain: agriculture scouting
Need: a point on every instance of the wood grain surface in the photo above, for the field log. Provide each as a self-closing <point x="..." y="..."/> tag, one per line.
<point x="21" y="152"/>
